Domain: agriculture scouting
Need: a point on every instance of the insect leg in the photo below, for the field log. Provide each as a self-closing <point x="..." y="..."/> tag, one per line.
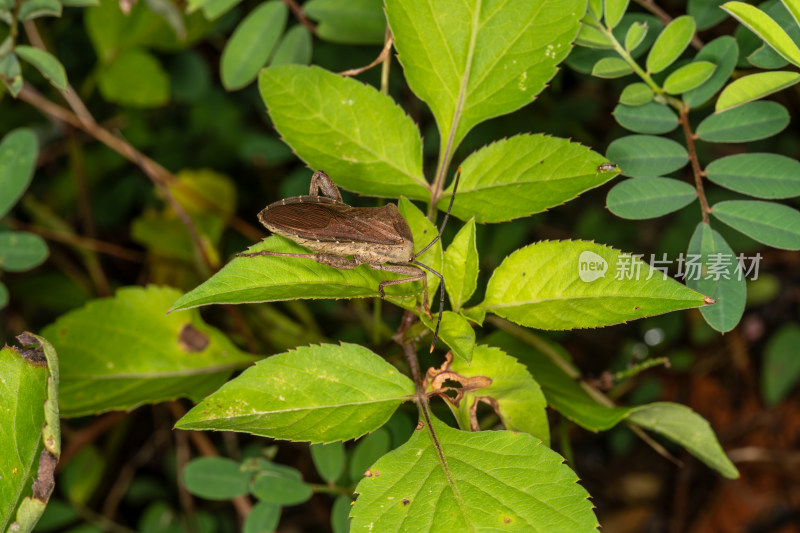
<point x="441" y="291"/>
<point x="321" y="182"/>
<point x="446" y="216"/>
<point x="414" y="274"/>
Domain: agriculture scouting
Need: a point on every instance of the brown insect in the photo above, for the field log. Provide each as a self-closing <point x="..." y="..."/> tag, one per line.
<point x="344" y="237"/>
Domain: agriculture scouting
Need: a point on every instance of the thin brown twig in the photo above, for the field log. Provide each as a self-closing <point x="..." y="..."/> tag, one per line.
<point x="696" y="170"/>
<point x="409" y="347"/>
<point x="80" y="241"/>
<point x="656" y="10"/>
<point x="377" y="61"/>
<point x="301" y="16"/>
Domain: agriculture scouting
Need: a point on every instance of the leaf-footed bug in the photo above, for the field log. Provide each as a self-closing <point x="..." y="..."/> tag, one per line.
<point x="376" y="236"/>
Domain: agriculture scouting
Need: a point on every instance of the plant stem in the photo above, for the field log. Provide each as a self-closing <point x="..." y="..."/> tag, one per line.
<point x="698" y="173"/>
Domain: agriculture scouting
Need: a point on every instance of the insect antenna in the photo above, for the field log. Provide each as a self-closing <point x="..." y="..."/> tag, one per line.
<point x="432" y="271"/>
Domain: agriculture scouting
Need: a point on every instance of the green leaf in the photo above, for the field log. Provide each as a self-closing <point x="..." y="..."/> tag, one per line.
<point x="18" y="152"/>
<point x="359" y="136"/>
<point x="680" y="424"/>
<point x="766" y="28"/>
<point x="424" y="232"/>
<point x="643" y="198"/>
<point x="80" y="3"/>
<point x="50" y="67"/>
<point x="20" y="251"/>
<point x="513" y="393"/>
<point x="214" y="9"/>
<point x="647" y="156"/>
<point x="712" y="268"/>
<point x="136" y="79"/>
<point x="30" y="442"/>
<point x="635" y="36"/>
<point x="591" y="37"/>
<point x="318" y="393"/>
<point x="749" y="122"/>
<point x="340" y="514"/>
<point x="121" y="352"/>
<point x="563" y="392"/>
<point x="648" y="118"/>
<point x="470" y="64"/>
<point x="781" y="367"/>
<point x="252" y="43"/>
<point x="329" y="460"/>
<point x="3" y="295"/>
<point x="81" y="477"/>
<point x="636" y="94"/>
<point x="294" y="48"/>
<point x="352" y="22"/>
<point x="280" y="488"/>
<point x="31" y="9"/>
<point x="613" y="11"/>
<point x="456" y="332"/>
<point x="769" y="223"/>
<point x="216" y="478"/>
<point x="770" y="176"/>
<point x="611" y="67"/>
<point x="461" y="266"/>
<point x="463" y="470"/>
<point x="11" y="74"/>
<point x="753" y="87"/>
<point x="707" y="13"/>
<point x="723" y="52"/>
<point x="670" y="44"/>
<point x="367" y="451"/>
<point x="688" y="77"/>
<point x="263" y="517"/>
<point x="580" y="284"/>
<point x="525" y="174"/>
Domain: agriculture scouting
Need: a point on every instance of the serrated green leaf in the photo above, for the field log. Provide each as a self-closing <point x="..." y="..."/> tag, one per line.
<point x="613" y="11"/>
<point x="781" y="367"/>
<point x="537" y="491"/>
<point x="461" y="266"/>
<point x="329" y="460"/>
<point x="424" y="232"/>
<point x="320" y="393"/>
<point x="636" y="94"/>
<point x="525" y="174"/>
<point x="30" y="443"/>
<point x="591" y="37"/>
<point x="723" y="52"/>
<point x="359" y="136"/>
<point x="216" y="478"/>
<point x="579" y="284"/>
<point x="643" y="198"/>
<point x="611" y="67"/>
<point x="136" y="79"/>
<point x="31" y="9"/>
<point x="647" y="156"/>
<point x="712" y="268"/>
<point x="367" y="451"/>
<point x="20" y="251"/>
<point x="748" y="122"/>
<point x="670" y="44"/>
<point x="680" y="424"/>
<point x="770" y="176"/>
<point x="294" y="48"/>
<point x="753" y="87"/>
<point x="18" y="152"/>
<point x="470" y="64"/>
<point x="706" y="13"/>
<point x="635" y="36"/>
<point x="280" y="488"/>
<point x="653" y="118"/>
<point x="773" y="224"/>
<point x="263" y="517"/>
<point x="352" y="22"/>
<point x="513" y="393"/>
<point x="688" y="77"/>
<point x="121" y="352"/>
<point x="455" y="332"/>
<point x="252" y="44"/>
<point x="766" y="28"/>
<point x="50" y="67"/>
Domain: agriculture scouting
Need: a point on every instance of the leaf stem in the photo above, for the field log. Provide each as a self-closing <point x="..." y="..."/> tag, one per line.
<point x="698" y="173"/>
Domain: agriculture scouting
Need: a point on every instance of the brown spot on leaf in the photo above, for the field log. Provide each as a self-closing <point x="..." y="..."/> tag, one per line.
<point x="507" y="520"/>
<point x="406" y="501"/>
<point x="31" y="349"/>
<point x="368" y="473"/>
<point x="420" y="425"/>
<point x="43" y="486"/>
<point x="191" y="339"/>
